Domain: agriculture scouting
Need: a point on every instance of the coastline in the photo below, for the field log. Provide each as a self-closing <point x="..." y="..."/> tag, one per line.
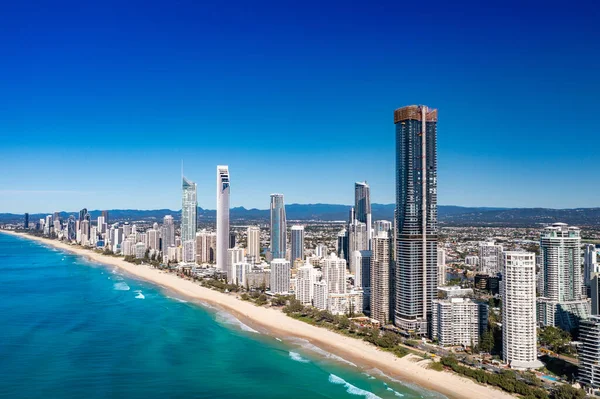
<point x="278" y="324"/>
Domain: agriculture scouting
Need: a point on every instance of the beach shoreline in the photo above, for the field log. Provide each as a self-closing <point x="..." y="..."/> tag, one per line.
<point x="277" y="324"/>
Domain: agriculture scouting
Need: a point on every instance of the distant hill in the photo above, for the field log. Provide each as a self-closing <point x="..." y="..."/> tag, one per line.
<point x="448" y="215"/>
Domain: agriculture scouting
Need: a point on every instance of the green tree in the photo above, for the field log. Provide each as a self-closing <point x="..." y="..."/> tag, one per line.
<point x="564" y="391"/>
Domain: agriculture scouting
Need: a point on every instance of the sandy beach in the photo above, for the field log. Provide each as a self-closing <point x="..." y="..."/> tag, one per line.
<point x="367" y="356"/>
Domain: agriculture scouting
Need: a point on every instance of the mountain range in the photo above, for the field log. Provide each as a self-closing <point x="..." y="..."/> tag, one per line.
<point x="448" y="215"/>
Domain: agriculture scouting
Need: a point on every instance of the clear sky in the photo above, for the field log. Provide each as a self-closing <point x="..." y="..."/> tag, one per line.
<point x="100" y="102"/>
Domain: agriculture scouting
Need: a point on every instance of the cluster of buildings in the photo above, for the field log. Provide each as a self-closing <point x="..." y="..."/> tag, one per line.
<point x="392" y="271"/>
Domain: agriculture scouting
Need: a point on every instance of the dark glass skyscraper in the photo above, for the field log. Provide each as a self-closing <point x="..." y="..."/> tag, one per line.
<point x="26" y="224"/>
<point x="416" y="216"/>
<point x="278" y="227"/>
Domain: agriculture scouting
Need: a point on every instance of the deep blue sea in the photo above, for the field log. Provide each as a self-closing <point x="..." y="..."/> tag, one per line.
<point x="70" y="328"/>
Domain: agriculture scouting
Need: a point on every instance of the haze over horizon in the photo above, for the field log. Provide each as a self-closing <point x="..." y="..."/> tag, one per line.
<point x="102" y="105"/>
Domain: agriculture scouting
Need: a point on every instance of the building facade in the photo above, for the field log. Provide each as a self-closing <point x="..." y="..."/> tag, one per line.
<point x="519" y="339"/>
<point x="297" y="243"/>
<point x="458" y="321"/>
<point x="223" y="188"/>
<point x="589" y="354"/>
<point x="381" y="259"/>
<point x="416" y="217"/>
<point x="253" y="244"/>
<point x="280" y="276"/>
<point x="278" y="227"/>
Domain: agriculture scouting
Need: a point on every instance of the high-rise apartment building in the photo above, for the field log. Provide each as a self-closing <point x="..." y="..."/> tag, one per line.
<point x="253" y="244"/>
<point x="458" y="321"/>
<point x="589" y="354"/>
<point x="383" y="225"/>
<point x="278" y="227"/>
<point x="26" y="223"/>
<point x="342" y="245"/>
<point x="362" y="207"/>
<point x="189" y="207"/>
<point x="381" y="259"/>
<point x="362" y="276"/>
<point x="167" y="233"/>
<point x="561" y="302"/>
<point x="297" y="243"/>
<point x="441" y="262"/>
<point x="206" y="247"/>
<point x="334" y="273"/>
<point x="306" y="277"/>
<point x="358" y="240"/>
<point x="223" y="188"/>
<point x="280" y="276"/>
<point x="105" y="216"/>
<point x="590" y="263"/>
<point x="416" y="217"/>
<point x="234" y="255"/>
<point x="490" y="258"/>
<point x="519" y="339"/>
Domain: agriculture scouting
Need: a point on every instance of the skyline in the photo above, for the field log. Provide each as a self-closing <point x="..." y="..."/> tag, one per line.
<point x="100" y="112"/>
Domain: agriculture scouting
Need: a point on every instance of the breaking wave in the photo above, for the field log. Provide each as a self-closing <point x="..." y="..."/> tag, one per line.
<point x="296" y="356"/>
<point x="351" y="389"/>
<point x="122" y="286"/>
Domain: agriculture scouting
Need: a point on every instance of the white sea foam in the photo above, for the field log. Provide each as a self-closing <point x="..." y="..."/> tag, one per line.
<point x="424" y="393"/>
<point x="122" y="286"/>
<point x="177" y="299"/>
<point x="396" y="393"/>
<point x="226" y="318"/>
<point x="139" y="294"/>
<point x="308" y="346"/>
<point x="351" y="389"/>
<point x="296" y="356"/>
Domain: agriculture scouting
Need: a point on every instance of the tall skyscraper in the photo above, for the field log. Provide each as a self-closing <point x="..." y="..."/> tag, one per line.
<point x="380" y="278"/>
<point x="382" y="225"/>
<point x="362" y="207"/>
<point x="278" y="227"/>
<point x="297" y="243"/>
<point x="334" y="273"/>
<point x="519" y="339"/>
<point x="189" y="209"/>
<point x="416" y="216"/>
<point x="342" y="245"/>
<point x="26" y="224"/>
<point x="253" y="244"/>
<point x="105" y="216"/>
<point x="305" y="281"/>
<point x="82" y="214"/>
<point x="167" y="234"/>
<point x="441" y="261"/>
<point x="206" y="247"/>
<point x="232" y="239"/>
<point x="590" y="263"/>
<point x="222" y="216"/>
<point x="561" y="302"/>
<point x="595" y="294"/>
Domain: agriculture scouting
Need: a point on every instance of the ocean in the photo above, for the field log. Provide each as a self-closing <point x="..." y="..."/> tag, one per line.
<point x="71" y="328"/>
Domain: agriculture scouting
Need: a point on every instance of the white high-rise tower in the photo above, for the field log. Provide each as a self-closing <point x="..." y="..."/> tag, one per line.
<point x="222" y="216"/>
<point x="189" y="206"/>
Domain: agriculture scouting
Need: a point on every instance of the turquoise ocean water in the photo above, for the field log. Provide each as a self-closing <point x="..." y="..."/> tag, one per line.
<point x="70" y="328"/>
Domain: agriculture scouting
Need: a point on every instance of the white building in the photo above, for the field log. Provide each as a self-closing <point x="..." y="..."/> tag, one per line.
<point x="234" y="255"/>
<point x="519" y="340"/>
<point x="458" y="321"/>
<point x="189" y="251"/>
<point x="306" y="277"/>
<point x="321" y="250"/>
<point x="253" y="243"/>
<point x="334" y="273"/>
<point x="239" y="272"/>
<point x="280" y="276"/>
<point x="128" y="247"/>
<point x="320" y="291"/>
<point x="140" y="250"/>
<point x="472" y="260"/>
<point x="380" y="278"/>
<point x="167" y="233"/>
<point x="223" y="189"/>
<point x="490" y="257"/>
<point x="441" y="264"/>
<point x="347" y="303"/>
<point x="561" y="302"/>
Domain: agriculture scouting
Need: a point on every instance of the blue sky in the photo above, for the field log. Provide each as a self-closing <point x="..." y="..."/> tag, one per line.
<point x="101" y="102"/>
